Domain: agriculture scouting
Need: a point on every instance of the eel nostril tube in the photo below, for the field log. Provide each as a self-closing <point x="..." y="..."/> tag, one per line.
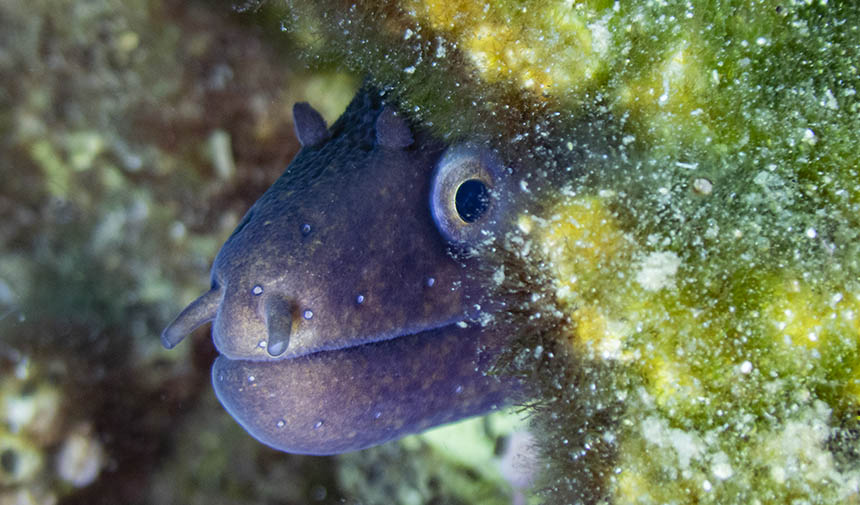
<point x="279" y="324"/>
<point x="201" y="310"/>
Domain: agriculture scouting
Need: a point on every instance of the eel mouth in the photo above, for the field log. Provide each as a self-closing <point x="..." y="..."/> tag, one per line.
<point x="429" y="331"/>
<point x="278" y="336"/>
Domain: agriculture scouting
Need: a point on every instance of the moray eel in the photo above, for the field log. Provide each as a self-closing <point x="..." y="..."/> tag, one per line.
<point x="346" y="303"/>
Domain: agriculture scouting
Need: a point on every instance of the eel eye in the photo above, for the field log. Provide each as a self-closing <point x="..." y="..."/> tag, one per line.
<point x="472" y="200"/>
<point x="464" y="196"/>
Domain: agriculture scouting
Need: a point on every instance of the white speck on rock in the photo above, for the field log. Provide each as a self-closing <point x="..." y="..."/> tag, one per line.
<point x="499" y="276"/>
<point x="703" y="186"/>
<point x="601" y="38"/>
<point x="80" y="459"/>
<point x="524" y="187"/>
<point x="657" y="270"/>
<point x="686" y="446"/>
<point x="720" y="466"/>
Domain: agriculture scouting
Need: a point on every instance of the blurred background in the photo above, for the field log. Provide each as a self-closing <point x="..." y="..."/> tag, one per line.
<point x="133" y="137"/>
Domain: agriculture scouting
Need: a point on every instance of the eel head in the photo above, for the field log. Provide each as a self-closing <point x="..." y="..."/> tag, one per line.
<point x="351" y="286"/>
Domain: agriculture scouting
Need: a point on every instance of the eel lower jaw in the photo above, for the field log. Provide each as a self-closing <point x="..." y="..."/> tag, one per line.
<point x="347" y="399"/>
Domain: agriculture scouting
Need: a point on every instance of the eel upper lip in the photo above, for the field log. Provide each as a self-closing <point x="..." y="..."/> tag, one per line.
<point x="367" y="341"/>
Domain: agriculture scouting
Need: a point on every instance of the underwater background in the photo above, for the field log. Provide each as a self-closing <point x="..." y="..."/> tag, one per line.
<point x="704" y="283"/>
<point x="134" y="136"/>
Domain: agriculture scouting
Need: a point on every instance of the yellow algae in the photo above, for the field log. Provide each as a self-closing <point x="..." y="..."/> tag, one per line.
<point x="582" y="241"/>
<point x="595" y="333"/>
<point x="800" y="316"/>
<point x="671" y="381"/>
<point x="455" y="16"/>
<point x="547" y="48"/>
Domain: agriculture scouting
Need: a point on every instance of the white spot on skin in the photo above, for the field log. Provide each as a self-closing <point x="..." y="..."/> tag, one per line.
<point x="657" y="270"/>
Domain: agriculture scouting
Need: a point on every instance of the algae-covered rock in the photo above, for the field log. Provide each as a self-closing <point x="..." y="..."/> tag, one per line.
<point x="697" y="266"/>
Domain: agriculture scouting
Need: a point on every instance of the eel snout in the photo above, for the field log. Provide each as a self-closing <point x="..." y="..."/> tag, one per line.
<point x="199" y="312"/>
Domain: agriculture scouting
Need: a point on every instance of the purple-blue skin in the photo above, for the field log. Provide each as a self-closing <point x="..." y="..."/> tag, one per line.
<point x="345" y="304"/>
